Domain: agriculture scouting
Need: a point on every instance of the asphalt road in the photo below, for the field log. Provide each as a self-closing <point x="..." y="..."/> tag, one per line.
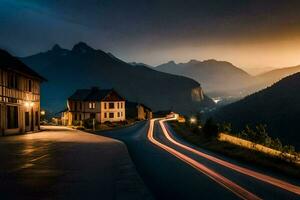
<point x="61" y="163"/>
<point x="170" y="177"/>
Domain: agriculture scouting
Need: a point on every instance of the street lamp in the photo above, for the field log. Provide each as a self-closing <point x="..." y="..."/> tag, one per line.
<point x="43" y="112"/>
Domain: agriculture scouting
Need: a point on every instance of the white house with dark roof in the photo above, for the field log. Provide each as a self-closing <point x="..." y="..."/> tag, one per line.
<point x="100" y="104"/>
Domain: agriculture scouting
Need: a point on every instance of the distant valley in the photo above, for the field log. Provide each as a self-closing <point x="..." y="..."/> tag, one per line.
<point x="223" y="79"/>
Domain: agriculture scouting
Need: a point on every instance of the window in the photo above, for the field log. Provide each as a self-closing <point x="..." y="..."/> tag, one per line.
<point x="75" y="106"/>
<point x="29" y="85"/>
<point x="12" y="81"/>
<point x="111" y="105"/>
<point x="111" y="115"/>
<point x="118" y="114"/>
<point x="92" y="105"/>
<point x="36" y="118"/>
<point x="26" y="118"/>
<point x="80" y="106"/>
<point x="105" y="115"/>
<point x="12" y="117"/>
<point x="118" y="105"/>
<point x="105" y="105"/>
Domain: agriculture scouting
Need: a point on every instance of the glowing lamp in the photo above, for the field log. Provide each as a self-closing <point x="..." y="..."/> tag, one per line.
<point x="193" y="120"/>
<point x="29" y="104"/>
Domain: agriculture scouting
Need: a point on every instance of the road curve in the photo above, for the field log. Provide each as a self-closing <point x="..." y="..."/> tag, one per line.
<point x="236" y="189"/>
<point x="262" y="177"/>
<point x="168" y="176"/>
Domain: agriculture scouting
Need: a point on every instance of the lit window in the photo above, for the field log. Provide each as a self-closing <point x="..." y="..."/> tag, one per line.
<point x="92" y="105"/>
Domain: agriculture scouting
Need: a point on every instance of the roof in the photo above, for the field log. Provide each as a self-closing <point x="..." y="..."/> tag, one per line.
<point x="10" y="62"/>
<point x="96" y="94"/>
<point x="130" y="104"/>
<point x="146" y="107"/>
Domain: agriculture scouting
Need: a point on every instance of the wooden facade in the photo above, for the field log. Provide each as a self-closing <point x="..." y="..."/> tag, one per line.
<point x="19" y="102"/>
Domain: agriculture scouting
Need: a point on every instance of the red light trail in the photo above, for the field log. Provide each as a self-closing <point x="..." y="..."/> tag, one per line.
<point x="228" y="184"/>
<point x="262" y="177"/>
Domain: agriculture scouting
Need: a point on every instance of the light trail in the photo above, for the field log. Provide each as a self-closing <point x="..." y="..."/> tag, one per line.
<point x="233" y="187"/>
<point x="262" y="177"/>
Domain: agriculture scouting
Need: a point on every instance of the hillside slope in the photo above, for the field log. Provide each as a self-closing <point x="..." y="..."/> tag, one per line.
<point x="277" y="106"/>
<point x="83" y="67"/>
<point x="214" y="76"/>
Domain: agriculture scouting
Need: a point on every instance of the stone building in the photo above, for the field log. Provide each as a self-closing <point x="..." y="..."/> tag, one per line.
<point x="101" y="105"/>
<point x="19" y="96"/>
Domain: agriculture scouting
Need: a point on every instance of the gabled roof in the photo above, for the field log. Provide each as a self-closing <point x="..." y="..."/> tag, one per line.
<point x="10" y="62"/>
<point x="95" y="94"/>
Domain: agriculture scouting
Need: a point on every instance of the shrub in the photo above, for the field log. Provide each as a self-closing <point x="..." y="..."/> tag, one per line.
<point x="210" y="128"/>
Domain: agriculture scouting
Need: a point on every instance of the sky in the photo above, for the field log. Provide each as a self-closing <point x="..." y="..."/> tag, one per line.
<point x="252" y="34"/>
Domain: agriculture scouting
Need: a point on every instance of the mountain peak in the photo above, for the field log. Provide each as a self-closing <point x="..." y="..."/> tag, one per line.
<point x="81" y="47"/>
<point x="194" y="61"/>
<point x="171" y="62"/>
<point x="56" y="47"/>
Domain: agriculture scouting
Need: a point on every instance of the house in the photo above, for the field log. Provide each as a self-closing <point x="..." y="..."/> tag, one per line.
<point x="19" y="96"/>
<point x="138" y="111"/>
<point x="102" y="105"/>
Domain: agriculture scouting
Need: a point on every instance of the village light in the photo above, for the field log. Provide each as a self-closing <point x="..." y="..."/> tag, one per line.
<point x="29" y="104"/>
<point x="193" y="120"/>
<point x="43" y="112"/>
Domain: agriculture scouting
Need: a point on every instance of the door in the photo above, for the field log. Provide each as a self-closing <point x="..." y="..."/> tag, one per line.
<point x="32" y="120"/>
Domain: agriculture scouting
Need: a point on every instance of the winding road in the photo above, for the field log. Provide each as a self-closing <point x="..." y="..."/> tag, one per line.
<point x="174" y="169"/>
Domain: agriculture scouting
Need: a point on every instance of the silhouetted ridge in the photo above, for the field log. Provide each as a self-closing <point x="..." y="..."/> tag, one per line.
<point x="82" y="47"/>
<point x="277" y="106"/>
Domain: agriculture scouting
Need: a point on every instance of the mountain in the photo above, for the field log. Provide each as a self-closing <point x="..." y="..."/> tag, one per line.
<point x="83" y="67"/>
<point x="277" y="106"/>
<point x="223" y="79"/>
<point x="255" y="71"/>
<point x="215" y="76"/>
<point x="270" y="77"/>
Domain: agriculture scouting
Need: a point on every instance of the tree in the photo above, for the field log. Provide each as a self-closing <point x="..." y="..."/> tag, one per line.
<point x="249" y="134"/>
<point x="210" y="128"/>
<point x="225" y="127"/>
<point x="261" y="134"/>
<point x="276" y="144"/>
